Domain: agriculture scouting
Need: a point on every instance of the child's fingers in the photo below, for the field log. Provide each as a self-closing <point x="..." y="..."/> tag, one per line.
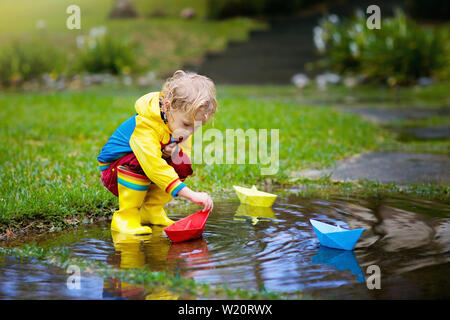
<point x="168" y="150"/>
<point x="171" y="146"/>
<point x="205" y="205"/>
<point x="209" y="204"/>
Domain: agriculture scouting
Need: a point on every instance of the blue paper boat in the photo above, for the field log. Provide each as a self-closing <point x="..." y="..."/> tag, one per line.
<point x="340" y="260"/>
<point x="336" y="237"/>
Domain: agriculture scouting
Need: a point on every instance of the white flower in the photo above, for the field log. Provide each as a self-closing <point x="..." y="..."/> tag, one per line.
<point x="98" y="32"/>
<point x="354" y="49"/>
<point x="333" y="18"/>
<point x="358" y="28"/>
<point x="318" y="38"/>
<point x="300" y="80"/>
<point x="327" y="77"/>
<point x="389" y="42"/>
<point x="319" y="43"/>
<point x="336" y="37"/>
<point x="80" y="41"/>
<point x="332" y="77"/>
<point x="318" y="31"/>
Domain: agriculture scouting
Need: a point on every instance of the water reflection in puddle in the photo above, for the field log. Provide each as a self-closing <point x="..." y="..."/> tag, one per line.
<point x="30" y="280"/>
<point x="277" y="249"/>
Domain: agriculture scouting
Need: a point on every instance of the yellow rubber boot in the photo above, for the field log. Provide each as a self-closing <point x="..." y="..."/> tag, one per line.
<point x="152" y="210"/>
<point x="132" y="191"/>
<point x="162" y="294"/>
<point x="129" y="248"/>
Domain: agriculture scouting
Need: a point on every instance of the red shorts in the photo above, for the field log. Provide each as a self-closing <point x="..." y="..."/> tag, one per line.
<point x="109" y="175"/>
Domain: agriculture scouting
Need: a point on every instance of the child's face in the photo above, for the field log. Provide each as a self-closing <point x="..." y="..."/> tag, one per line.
<point x="182" y="124"/>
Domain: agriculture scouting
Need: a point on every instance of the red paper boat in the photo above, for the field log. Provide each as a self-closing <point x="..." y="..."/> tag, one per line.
<point x="187" y="228"/>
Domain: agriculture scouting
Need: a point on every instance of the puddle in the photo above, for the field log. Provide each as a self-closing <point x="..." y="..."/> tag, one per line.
<point x="277" y="249"/>
<point x="30" y="280"/>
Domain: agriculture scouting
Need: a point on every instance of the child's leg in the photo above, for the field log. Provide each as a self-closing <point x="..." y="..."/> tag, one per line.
<point x="132" y="189"/>
<point x="152" y="210"/>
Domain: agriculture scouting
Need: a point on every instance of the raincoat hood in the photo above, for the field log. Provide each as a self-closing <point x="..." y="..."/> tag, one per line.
<point x="147" y="106"/>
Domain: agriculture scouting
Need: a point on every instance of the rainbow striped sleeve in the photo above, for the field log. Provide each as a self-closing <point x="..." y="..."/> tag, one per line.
<point x="174" y="187"/>
<point x="103" y="165"/>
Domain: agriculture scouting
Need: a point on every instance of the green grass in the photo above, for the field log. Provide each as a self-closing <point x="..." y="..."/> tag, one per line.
<point x="20" y="16"/>
<point x="435" y="96"/>
<point x="165" y="43"/>
<point x="310" y="137"/>
<point x="51" y="140"/>
<point x="325" y="188"/>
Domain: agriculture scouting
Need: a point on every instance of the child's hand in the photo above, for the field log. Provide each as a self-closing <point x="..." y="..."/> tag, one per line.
<point x="168" y="150"/>
<point x="201" y="198"/>
<point x="204" y="199"/>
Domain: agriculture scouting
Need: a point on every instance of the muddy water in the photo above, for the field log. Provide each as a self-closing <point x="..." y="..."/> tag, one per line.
<point x="252" y="248"/>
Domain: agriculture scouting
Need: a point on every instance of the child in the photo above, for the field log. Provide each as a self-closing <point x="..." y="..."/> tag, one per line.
<point x="146" y="159"/>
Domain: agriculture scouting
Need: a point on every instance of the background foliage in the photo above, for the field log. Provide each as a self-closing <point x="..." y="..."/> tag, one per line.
<point x="398" y="53"/>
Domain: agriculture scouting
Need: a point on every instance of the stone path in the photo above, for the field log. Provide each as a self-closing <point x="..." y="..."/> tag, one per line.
<point x="387" y="115"/>
<point x="386" y="167"/>
<point x="396" y="167"/>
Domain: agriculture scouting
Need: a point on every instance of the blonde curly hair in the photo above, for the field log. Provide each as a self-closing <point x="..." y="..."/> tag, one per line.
<point x="190" y="92"/>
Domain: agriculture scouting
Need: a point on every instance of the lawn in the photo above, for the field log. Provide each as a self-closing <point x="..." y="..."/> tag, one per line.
<point x="434" y="96"/>
<point x="164" y="43"/>
<point x="51" y="141"/>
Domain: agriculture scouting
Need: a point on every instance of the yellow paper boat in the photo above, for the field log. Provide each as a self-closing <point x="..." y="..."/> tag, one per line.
<point x="255" y="214"/>
<point x="254" y="197"/>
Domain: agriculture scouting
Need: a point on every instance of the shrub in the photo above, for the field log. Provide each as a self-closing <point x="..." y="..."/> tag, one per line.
<point x="399" y="53"/>
<point x="100" y="52"/>
<point x="25" y="59"/>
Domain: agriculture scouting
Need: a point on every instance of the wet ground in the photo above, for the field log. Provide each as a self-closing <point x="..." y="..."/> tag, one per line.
<point x="388" y="167"/>
<point x="388" y="115"/>
<point x="251" y="248"/>
<point x="397" y="167"/>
